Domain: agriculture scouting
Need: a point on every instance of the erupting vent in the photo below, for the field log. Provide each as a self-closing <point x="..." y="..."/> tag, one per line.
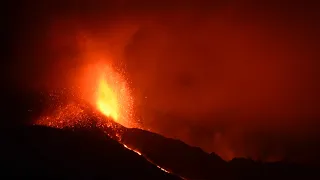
<point x="108" y="106"/>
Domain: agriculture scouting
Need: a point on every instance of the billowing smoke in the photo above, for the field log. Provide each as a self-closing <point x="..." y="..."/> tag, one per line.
<point x="236" y="78"/>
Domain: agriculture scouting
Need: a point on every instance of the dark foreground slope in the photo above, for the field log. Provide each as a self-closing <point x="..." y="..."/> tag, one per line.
<point x="41" y="151"/>
<point x="176" y="156"/>
<point x="193" y="163"/>
<point x="46" y="151"/>
<point x="90" y="154"/>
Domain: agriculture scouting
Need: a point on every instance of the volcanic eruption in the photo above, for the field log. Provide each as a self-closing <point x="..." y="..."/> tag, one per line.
<point x="102" y="93"/>
<point x="99" y="84"/>
<point x="99" y="98"/>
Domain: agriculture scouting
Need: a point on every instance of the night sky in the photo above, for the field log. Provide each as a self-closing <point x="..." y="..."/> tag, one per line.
<point x="239" y="78"/>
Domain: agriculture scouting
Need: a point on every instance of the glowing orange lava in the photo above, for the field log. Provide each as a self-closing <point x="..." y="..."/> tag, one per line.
<point x="101" y="89"/>
<point x="111" y="94"/>
<point x="107" y="101"/>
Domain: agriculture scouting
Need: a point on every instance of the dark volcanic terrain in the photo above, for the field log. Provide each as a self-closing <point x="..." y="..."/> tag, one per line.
<point x="86" y="154"/>
<point x="47" y="152"/>
<point x="28" y="150"/>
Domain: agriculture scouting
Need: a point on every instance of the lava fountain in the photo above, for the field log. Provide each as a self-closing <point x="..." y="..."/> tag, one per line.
<point x="101" y="89"/>
<point x="111" y="94"/>
<point x="107" y="101"/>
